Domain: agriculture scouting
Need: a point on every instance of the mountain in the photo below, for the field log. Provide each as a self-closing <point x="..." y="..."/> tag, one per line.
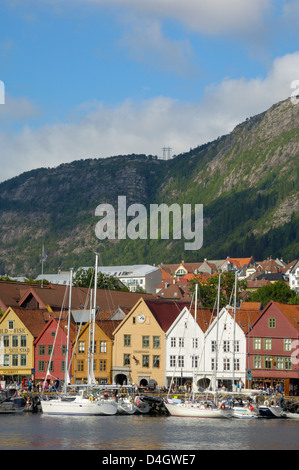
<point x="247" y="182"/>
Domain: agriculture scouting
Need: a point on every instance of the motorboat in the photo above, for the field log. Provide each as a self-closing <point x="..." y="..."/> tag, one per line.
<point x="271" y="411"/>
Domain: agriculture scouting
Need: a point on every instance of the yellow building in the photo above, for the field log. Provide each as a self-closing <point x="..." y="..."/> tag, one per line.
<point x="18" y="330"/>
<point x="102" y="363"/>
<point x="139" y="342"/>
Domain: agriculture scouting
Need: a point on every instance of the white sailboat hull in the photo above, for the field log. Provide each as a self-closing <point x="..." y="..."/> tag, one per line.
<point x="126" y="408"/>
<point x="80" y="406"/>
<point x="197" y="411"/>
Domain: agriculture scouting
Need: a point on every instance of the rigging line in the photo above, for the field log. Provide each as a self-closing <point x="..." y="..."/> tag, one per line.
<point x="88" y="295"/>
<point x="55" y="338"/>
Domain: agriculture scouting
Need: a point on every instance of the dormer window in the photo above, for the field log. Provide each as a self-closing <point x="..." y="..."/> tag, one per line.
<point x="10" y="324"/>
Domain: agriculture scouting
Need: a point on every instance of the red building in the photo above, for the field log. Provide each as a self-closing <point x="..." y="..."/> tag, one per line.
<point x="50" y="346"/>
<point x="273" y="348"/>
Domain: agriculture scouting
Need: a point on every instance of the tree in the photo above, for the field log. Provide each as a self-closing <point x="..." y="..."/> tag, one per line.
<point x="279" y="291"/>
<point x="85" y="278"/>
<point x="208" y="289"/>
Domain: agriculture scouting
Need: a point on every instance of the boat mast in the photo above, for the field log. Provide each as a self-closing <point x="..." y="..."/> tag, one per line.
<point x="194" y="339"/>
<point x="234" y="330"/>
<point x="66" y="371"/>
<point x="217" y="332"/>
<point x="93" y="316"/>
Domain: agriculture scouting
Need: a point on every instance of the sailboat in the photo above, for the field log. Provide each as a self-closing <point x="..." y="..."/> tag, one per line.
<point x="194" y="408"/>
<point x="80" y="404"/>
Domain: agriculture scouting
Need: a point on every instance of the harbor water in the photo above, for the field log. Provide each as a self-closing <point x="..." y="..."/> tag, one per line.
<point x="30" y="431"/>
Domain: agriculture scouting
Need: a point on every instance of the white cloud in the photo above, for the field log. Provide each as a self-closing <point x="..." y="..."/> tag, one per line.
<point x="148" y="126"/>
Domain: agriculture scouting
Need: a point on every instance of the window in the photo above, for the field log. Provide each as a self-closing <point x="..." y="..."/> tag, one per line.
<point x="41" y="349"/>
<point x="268" y="344"/>
<point x="271" y="322"/>
<point x="80" y="365"/>
<point x="279" y="363"/>
<point x="237" y="346"/>
<point x="145" y="361"/>
<point x="257" y="362"/>
<point x="194" y="343"/>
<point x="156" y="342"/>
<point x="81" y="347"/>
<point x="50" y="349"/>
<point x="134" y="320"/>
<point x="103" y="346"/>
<point x="15" y="341"/>
<point x="6" y="360"/>
<point x="41" y="366"/>
<point x="237" y="364"/>
<point x="23" y="341"/>
<point x="226" y="346"/>
<point x="51" y="367"/>
<point x="102" y="364"/>
<point x="10" y="324"/>
<point x="6" y="341"/>
<point x="126" y="359"/>
<point x="15" y="360"/>
<point x="213" y="346"/>
<point x="257" y="343"/>
<point x="63" y="350"/>
<point x="180" y="361"/>
<point x="213" y="364"/>
<point x="23" y="360"/>
<point x="156" y="361"/>
<point x="268" y="362"/>
<point x="181" y="342"/>
<point x="194" y="361"/>
<point x="62" y="367"/>
<point x="145" y="342"/>
<point x="127" y="340"/>
<point x="172" y="361"/>
<point x="287" y="344"/>
<point x="173" y="342"/>
<point x="226" y="364"/>
<point x="288" y="363"/>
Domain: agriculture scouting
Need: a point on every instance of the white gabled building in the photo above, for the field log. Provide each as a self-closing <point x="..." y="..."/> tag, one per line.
<point x="184" y="341"/>
<point x="232" y="347"/>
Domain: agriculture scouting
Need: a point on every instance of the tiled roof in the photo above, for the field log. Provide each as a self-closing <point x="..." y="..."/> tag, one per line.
<point x="165" y="312"/>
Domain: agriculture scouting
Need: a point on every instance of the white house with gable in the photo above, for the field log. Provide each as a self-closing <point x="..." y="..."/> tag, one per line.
<point x="184" y="343"/>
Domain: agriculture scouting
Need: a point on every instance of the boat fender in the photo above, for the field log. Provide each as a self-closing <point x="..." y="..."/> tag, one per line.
<point x="137" y="400"/>
<point x="266" y="402"/>
<point x="222" y="406"/>
<point x="91" y="398"/>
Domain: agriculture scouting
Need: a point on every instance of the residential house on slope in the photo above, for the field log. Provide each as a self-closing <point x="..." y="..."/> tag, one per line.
<point x="294" y="277"/>
<point x="139" y="342"/>
<point x="273" y="348"/>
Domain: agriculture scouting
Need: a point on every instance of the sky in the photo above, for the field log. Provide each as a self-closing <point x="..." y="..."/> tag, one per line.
<point x="97" y="78"/>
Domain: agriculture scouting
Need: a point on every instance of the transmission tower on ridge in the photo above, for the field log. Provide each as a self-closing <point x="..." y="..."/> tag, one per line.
<point x="166" y="153"/>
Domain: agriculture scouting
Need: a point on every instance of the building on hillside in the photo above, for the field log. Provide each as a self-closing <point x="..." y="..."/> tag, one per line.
<point x="244" y="266"/>
<point x="18" y="330"/>
<point x="135" y="277"/>
<point x="294" y="277"/>
<point x="273" y="348"/>
<point x="139" y="342"/>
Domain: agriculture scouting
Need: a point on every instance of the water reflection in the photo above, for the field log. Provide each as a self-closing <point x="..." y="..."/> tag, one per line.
<point x="144" y="433"/>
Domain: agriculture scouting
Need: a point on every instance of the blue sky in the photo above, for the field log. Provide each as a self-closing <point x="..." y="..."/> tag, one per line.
<point x="96" y="78"/>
